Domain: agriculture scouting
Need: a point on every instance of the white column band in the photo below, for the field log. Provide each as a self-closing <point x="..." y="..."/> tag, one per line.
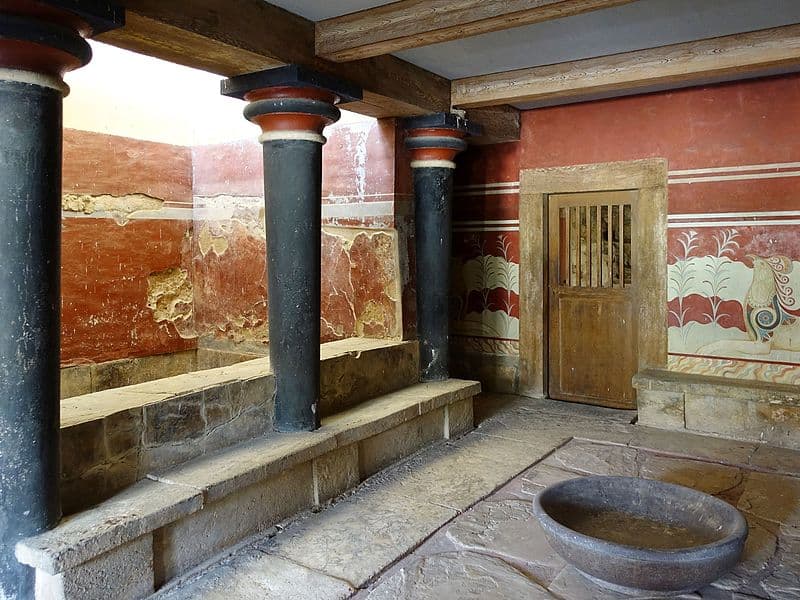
<point x="40" y="79"/>
<point x="309" y="136"/>
<point x="447" y="164"/>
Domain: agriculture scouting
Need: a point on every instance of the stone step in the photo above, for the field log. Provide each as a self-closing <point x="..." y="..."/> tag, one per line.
<point x="113" y="438"/>
<point x="165" y="525"/>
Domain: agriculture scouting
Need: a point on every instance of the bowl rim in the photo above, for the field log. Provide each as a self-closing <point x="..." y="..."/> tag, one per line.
<point x="688" y="554"/>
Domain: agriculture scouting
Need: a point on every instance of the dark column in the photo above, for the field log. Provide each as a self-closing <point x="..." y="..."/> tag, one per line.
<point x="433" y="142"/>
<point x="39" y="42"/>
<point x="293" y="106"/>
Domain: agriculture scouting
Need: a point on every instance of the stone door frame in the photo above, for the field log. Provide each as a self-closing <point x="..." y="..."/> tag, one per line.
<point x="649" y="257"/>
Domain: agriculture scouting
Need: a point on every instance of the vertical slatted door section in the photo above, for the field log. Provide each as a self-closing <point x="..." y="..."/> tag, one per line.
<point x="592" y="320"/>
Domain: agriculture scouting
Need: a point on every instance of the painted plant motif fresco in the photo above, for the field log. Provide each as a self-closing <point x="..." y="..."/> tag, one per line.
<point x="733" y="311"/>
<point x="485" y="284"/>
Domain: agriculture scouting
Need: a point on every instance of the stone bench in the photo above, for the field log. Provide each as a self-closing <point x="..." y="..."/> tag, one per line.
<point x="115" y="437"/>
<point x="747" y="410"/>
<point x="163" y="526"/>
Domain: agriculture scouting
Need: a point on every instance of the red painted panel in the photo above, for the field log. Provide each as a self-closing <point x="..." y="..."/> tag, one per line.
<point x="96" y="163"/>
<point x="742" y="123"/>
<point x="104" y="313"/>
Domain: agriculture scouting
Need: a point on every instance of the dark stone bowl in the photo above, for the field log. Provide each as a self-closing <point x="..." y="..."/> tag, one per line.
<point x="639" y="536"/>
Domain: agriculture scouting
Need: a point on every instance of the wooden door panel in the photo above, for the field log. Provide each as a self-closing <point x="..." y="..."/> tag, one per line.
<point x="596" y="365"/>
<point x="592" y="321"/>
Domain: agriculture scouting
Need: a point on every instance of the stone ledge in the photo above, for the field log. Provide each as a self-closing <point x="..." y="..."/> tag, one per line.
<point x="136" y="511"/>
<point x="745" y="410"/>
<point x="114" y="438"/>
<point x="206" y="482"/>
<point x="742" y="389"/>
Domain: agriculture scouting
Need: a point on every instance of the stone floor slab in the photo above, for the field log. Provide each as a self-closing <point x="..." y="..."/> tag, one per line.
<point x="507" y="529"/>
<point x="779" y="460"/>
<point x="458" y="575"/>
<point x="589" y="458"/>
<point x="360" y="536"/>
<point x="458" y="474"/>
<point x="692" y="445"/>
<point x="462" y="510"/>
<point x="253" y="574"/>
<point x="712" y="478"/>
<point x="772" y="497"/>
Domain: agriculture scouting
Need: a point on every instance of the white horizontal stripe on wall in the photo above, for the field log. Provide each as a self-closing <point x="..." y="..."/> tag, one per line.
<point x="749" y="176"/>
<point x="487" y="228"/>
<point x="678" y="176"/>
<point x="761" y="167"/>
<point x="487" y="186"/>
<point x="467" y="223"/>
<point x="358" y="209"/>
<point x="754" y="223"/>
<point x="731" y="215"/>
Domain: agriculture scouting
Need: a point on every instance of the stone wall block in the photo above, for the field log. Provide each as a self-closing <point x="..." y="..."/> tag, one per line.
<point x="255" y="392"/>
<point x="76" y="381"/>
<point x="351" y="379"/>
<point x="112" y="374"/>
<point x="82" y="447"/>
<point x="459" y="419"/>
<point x="335" y="473"/>
<point x="217" y="406"/>
<point x="499" y="374"/>
<point x="188" y="542"/>
<point x="125" y="573"/>
<point x="123" y="431"/>
<point x="247" y="425"/>
<point x="379" y="451"/>
<point x="665" y="410"/>
<point x="717" y="415"/>
<point x="174" y="421"/>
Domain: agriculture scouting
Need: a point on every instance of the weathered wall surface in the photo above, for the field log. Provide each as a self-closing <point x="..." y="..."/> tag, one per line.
<point x="126" y="240"/>
<point x="734" y="254"/>
<point x="361" y="266"/>
<point x="165" y="244"/>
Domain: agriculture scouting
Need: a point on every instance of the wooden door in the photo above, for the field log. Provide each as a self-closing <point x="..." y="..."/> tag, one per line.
<point x="592" y="318"/>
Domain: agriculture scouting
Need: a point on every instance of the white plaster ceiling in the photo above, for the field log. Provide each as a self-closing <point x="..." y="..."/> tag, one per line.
<point x="316" y="10"/>
<point x="634" y="26"/>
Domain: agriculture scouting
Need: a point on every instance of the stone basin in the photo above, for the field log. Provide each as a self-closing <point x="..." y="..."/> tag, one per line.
<point x="641" y="537"/>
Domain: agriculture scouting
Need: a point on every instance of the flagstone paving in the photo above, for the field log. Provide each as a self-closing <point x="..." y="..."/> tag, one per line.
<point x="455" y="521"/>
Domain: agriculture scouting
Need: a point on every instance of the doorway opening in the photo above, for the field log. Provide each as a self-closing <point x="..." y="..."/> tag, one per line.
<point x="593" y="279"/>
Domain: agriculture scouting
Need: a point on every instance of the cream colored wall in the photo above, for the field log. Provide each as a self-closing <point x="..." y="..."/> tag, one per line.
<point x="128" y="94"/>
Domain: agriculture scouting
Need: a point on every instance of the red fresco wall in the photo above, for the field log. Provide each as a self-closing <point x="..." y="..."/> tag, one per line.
<point x="163" y="245"/>
<point x="108" y="256"/>
<point x="733" y="154"/>
<point x="361" y="266"/>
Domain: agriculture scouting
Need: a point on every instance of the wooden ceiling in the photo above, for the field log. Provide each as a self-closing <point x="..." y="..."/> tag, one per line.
<point x="230" y="37"/>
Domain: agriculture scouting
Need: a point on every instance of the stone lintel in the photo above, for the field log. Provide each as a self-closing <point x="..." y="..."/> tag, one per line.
<point x="293" y="76"/>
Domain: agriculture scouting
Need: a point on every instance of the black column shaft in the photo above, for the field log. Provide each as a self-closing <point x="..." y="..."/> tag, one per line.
<point x="433" y="190"/>
<point x="30" y="229"/>
<point x="293" y="189"/>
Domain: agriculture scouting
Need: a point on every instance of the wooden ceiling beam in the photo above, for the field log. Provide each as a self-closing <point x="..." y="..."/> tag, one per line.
<point x="679" y="65"/>
<point x="499" y="123"/>
<point x="413" y="23"/>
<point x="231" y="37"/>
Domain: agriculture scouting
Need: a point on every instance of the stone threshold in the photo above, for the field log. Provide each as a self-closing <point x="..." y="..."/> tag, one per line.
<point x="176" y="519"/>
<point x="113" y="438"/>
<point x="745" y="410"/>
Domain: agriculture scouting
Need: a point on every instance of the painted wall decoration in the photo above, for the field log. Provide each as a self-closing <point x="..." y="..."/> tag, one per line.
<point x="484" y="310"/>
<point x="733" y="222"/>
<point x="734" y="311"/>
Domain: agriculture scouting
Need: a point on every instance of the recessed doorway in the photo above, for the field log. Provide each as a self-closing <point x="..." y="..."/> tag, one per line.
<point x="593" y="276"/>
